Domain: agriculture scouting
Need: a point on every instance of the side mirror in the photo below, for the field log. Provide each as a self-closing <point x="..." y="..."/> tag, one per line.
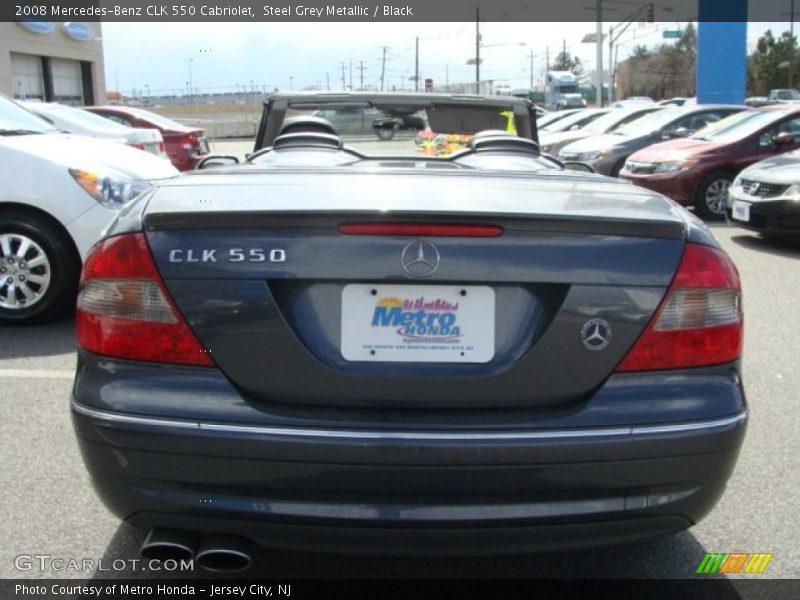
<point x="215" y="161"/>
<point x="571" y="165"/>
<point x="681" y="132"/>
<point x="783" y="138"/>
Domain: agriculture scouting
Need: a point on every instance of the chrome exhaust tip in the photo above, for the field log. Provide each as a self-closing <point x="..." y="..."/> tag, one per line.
<point x="169" y="544"/>
<point x="224" y="554"/>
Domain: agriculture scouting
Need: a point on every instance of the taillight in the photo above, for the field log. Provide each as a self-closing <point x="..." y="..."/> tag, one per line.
<point x="124" y="310"/>
<point x="189" y="143"/>
<point x="699" y="322"/>
<point x="161" y="147"/>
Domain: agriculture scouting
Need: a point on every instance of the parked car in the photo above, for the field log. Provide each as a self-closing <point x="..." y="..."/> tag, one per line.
<point x="553" y="116"/>
<point x="607" y="123"/>
<point x="185" y="145"/>
<point x="57" y="194"/>
<point x="406" y="354"/>
<point x="75" y="120"/>
<point x="575" y="121"/>
<point x="607" y="153"/>
<point x="765" y="197"/>
<point x="678" y="101"/>
<point x="633" y="101"/>
<point x="791" y="96"/>
<point x="697" y="171"/>
<point x="757" y="101"/>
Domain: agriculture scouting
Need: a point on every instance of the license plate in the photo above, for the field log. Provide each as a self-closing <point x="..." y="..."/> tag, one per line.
<point x="741" y="211"/>
<point x="418" y="323"/>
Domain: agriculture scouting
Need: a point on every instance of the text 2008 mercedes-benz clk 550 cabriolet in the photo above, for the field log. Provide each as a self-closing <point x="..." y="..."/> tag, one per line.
<point x="453" y="348"/>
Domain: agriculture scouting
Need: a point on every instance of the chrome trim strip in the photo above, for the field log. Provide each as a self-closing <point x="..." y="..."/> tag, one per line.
<point x="110" y="417"/>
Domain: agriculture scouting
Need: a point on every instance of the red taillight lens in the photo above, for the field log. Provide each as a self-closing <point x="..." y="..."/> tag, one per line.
<point x="161" y="147"/>
<point x="125" y="311"/>
<point x="699" y="322"/>
<point x="421" y="229"/>
<point x="190" y="143"/>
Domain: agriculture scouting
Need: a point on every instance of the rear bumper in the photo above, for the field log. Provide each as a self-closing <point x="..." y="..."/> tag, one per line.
<point x="417" y="490"/>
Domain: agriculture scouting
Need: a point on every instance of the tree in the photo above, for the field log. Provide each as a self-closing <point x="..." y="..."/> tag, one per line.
<point x="566" y="62"/>
<point x="768" y="65"/>
<point x="667" y="71"/>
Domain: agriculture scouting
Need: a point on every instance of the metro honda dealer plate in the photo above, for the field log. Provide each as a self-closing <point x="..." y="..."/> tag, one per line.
<point x="418" y="323"/>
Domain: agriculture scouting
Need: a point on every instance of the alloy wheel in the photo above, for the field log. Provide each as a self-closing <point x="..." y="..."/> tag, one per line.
<point x="25" y="271"/>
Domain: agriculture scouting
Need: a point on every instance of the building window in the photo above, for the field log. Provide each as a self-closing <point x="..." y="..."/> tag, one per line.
<point x="27" y="76"/>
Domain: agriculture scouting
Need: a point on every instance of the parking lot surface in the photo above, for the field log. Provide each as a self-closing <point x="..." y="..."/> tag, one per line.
<point x="49" y="507"/>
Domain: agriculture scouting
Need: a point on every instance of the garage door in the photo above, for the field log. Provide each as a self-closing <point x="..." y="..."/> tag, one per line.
<point x="26" y="70"/>
<point x="67" y="86"/>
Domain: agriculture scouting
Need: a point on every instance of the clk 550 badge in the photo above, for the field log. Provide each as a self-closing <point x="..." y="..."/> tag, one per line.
<point x="234" y="255"/>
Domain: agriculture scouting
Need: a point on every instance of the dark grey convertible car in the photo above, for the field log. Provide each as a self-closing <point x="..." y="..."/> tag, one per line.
<point x="476" y="351"/>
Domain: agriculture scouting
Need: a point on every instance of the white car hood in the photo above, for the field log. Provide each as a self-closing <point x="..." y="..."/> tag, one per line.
<point x="85" y="153"/>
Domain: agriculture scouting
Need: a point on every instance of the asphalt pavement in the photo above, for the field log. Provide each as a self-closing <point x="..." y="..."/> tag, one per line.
<point x="49" y="507"/>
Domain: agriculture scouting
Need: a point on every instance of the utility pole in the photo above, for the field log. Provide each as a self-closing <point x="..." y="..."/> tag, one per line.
<point x="547" y="57"/>
<point x="416" y="67"/>
<point x="791" y="41"/>
<point x="383" y="63"/>
<point x="599" y="46"/>
<point x="361" y="73"/>
<point x="477" y="50"/>
<point x="531" y="69"/>
<point x="344" y="81"/>
<point x="351" y="73"/>
<point x="447" y="76"/>
<point x="328" y="80"/>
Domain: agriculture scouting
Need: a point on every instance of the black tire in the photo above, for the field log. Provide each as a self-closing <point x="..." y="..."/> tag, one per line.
<point x="384" y="134"/>
<point x="61" y="264"/>
<point x="707" y="202"/>
<point x="617" y="168"/>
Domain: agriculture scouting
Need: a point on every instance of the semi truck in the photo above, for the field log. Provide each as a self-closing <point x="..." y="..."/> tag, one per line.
<point x="562" y="91"/>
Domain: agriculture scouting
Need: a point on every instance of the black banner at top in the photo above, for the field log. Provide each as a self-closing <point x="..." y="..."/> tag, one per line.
<point x="389" y="10"/>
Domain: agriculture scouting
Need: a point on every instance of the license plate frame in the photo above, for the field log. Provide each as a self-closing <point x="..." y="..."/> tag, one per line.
<point x="741" y="211"/>
<point x="418" y="323"/>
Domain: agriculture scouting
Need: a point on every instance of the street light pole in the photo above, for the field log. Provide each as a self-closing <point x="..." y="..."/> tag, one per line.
<point x="477" y="50"/>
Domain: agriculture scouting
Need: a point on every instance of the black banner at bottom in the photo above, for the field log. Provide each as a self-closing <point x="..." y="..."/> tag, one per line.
<point x="389" y="589"/>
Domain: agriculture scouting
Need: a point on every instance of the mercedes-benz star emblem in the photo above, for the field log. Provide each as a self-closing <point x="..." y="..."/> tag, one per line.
<point x="420" y="259"/>
<point x="596" y="334"/>
<point x="754" y="188"/>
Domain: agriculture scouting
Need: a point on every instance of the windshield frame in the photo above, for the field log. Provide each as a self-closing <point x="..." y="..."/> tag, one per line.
<point x="731" y="131"/>
<point x="651" y="122"/>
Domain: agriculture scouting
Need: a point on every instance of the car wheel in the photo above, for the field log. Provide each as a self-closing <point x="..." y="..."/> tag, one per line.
<point x="712" y="195"/>
<point x="39" y="269"/>
<point x="384" y="134"/>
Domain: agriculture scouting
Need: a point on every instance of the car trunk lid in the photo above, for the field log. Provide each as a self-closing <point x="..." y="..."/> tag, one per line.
<point x="288" y="302"/>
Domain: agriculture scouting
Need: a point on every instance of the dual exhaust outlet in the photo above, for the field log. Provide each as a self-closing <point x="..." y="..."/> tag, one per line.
<point x="215" y="553"/>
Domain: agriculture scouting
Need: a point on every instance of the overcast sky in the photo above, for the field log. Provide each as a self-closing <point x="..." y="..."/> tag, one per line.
<point x="226" y="56"/>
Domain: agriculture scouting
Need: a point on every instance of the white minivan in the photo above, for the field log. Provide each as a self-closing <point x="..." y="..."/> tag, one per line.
<point x="58" y="192"/>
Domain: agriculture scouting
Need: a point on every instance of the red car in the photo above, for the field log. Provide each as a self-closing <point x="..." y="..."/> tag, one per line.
<point x="185" y="145"/>
<point x="698" y="170"/>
